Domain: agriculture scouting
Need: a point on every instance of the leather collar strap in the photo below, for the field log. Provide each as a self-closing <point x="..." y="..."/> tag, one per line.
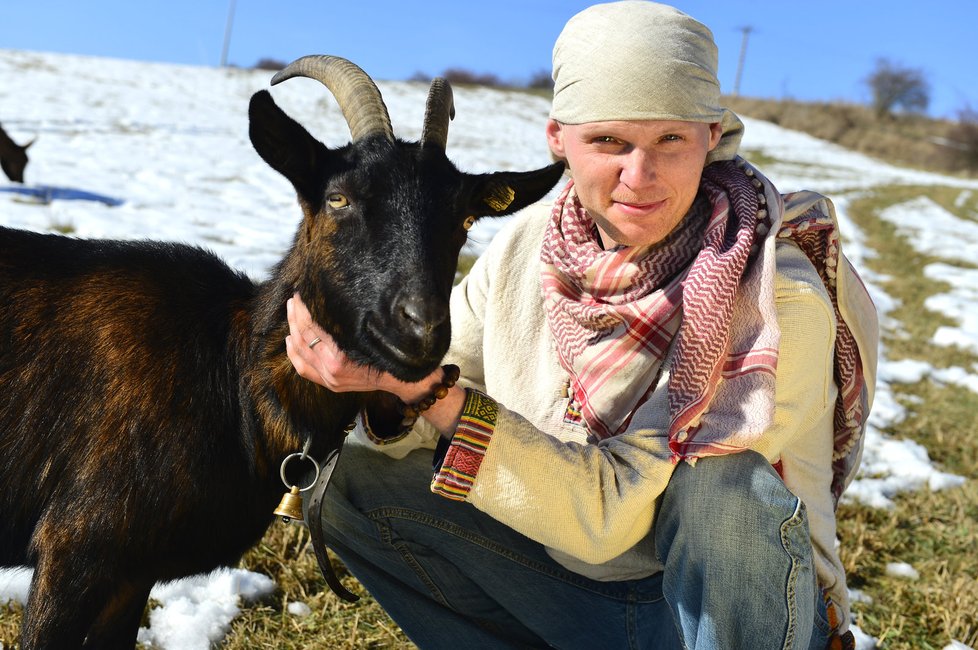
<point x="315" y="523"/>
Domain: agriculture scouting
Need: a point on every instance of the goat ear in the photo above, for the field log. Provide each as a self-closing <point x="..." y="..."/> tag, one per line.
<point x="8" y="170"/>
<point x="286" y="146"/>
<point x="507" y="192"/>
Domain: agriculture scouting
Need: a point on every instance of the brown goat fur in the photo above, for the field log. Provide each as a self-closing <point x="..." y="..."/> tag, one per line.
<point x="146" y="400"/>
<point x="13" y="157"/>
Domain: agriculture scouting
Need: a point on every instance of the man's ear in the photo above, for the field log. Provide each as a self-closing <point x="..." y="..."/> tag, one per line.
<point x="716" y="132"/>
<point x="555" y="139"/>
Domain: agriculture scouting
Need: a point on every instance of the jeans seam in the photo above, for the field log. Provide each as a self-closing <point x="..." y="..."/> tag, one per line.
<point x="791" y="587"/>
<point x="566" y="576"/>
<point x="408" y="558"/>
<point x="630" y="628"/>
<point x="679" y="628"/>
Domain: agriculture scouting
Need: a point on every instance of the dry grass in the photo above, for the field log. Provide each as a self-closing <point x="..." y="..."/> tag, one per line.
<point x="287" y="556"/>
<point x="9" y="624"/>
<point x="935" y="532"/>
<point x="910" y="140"/>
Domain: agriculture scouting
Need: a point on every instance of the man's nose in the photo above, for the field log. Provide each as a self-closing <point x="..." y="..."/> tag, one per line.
<point x="638" y="169"/>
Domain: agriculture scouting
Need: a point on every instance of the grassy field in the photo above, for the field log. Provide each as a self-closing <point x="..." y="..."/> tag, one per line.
<point x="937" y="533"/>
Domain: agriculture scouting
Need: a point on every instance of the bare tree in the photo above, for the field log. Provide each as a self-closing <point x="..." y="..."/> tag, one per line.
<point x="268" y="63"/>
<point x="541" y="79"/>
<point x="463" y="76"/>
<point x="964" y="135"/>
<point x="895" y="86"/>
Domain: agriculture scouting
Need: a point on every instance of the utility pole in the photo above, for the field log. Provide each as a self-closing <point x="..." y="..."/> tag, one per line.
<point x="740" y="63"/>
<point x="227" y="35"/>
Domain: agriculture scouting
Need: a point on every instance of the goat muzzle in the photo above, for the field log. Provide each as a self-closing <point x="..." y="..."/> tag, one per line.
<point x="419" y="317"/>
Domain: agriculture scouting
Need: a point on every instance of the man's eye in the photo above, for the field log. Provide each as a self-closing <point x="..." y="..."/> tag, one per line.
<point x="606" y="139"/>
<point x="672" y="137"/>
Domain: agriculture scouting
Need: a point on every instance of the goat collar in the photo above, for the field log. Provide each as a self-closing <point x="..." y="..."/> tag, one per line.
<point x="315" y="523"/>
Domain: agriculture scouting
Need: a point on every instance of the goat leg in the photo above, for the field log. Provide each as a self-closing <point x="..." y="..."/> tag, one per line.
<point x="62" y="603"/>
<point x="118" y="623"/>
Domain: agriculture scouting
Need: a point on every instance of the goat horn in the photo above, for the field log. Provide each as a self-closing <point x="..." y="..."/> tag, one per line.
<point x="438" y="111"/>
<point x="355" y="92"/>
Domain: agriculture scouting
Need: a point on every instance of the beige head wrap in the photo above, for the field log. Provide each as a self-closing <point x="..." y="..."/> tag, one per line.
<point x="640" y="60"/>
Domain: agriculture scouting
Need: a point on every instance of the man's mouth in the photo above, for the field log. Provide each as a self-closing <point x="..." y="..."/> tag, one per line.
<point x="649" y="206"/>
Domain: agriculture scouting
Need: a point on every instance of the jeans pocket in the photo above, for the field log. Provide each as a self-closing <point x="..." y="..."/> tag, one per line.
<point x="822" y="632"/>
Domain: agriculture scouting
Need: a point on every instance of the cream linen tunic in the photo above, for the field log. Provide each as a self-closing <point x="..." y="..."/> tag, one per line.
<point x="593" y="505"/>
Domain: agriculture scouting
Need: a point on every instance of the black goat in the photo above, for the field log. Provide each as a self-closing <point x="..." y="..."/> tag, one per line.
<point x="13" y="157"/>
<point x="146" y="400"/>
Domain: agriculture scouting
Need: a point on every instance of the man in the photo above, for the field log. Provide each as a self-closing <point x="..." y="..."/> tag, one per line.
<point x="664" y="380"/>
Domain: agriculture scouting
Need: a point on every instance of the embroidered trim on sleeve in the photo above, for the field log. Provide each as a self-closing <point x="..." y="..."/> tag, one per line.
<point x="467" y="448"/>
<point x="380" y="441"/>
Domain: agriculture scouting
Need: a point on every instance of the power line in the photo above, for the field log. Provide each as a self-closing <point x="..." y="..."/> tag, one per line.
<point x="740" y="62"/>
<point x="227" y="35"/>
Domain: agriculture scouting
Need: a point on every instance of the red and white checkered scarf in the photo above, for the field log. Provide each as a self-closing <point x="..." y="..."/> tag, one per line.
<point x="706" y="290"/>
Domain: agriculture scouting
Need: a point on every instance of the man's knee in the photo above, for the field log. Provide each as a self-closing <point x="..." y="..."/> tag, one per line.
<point x="725" y="503"/>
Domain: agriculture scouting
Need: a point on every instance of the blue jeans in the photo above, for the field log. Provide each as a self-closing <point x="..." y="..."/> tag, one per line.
<point x="734" y="542"/>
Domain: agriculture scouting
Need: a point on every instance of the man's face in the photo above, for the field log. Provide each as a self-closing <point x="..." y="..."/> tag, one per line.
<point x="637" y="179"/>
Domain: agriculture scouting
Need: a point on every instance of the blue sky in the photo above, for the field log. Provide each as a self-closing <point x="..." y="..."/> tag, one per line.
<point x="803" y="50"/>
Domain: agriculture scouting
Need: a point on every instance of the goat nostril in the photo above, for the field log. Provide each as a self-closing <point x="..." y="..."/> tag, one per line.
<point x="412" y="310"/>
<point x="421" y="315"/>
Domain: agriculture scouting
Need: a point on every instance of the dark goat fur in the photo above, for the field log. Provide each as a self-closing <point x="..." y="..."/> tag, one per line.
<point x="13" y="157"/>
<point x="146" y="400"/>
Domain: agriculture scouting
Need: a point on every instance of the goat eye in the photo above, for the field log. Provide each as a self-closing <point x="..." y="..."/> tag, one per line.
<point x="469" y="222"/>
<point x="337" y="201"/>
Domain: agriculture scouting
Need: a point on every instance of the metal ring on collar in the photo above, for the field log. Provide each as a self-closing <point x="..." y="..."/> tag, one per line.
<point x="298" y="454"/>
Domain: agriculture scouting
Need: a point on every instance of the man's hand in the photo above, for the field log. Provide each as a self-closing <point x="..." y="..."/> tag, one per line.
<point x="325" y="364"/>
<point x="316" y="357"/>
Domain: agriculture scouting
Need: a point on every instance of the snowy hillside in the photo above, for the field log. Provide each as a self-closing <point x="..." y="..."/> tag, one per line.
<point x="167" y="149"/>
<point x="172" y="143"/>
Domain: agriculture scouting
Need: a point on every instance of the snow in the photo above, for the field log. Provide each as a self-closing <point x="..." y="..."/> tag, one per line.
<point x="15" y="585"/>
<point x="902" y="570"/>
<point x="298" y="609"/>
<point x="170" y="143"/>
<point x="198" y="610"/>
<point x="956" y="645"/>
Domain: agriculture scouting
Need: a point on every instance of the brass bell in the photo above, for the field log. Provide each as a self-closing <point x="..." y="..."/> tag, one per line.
<point x="291" y="506"/>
